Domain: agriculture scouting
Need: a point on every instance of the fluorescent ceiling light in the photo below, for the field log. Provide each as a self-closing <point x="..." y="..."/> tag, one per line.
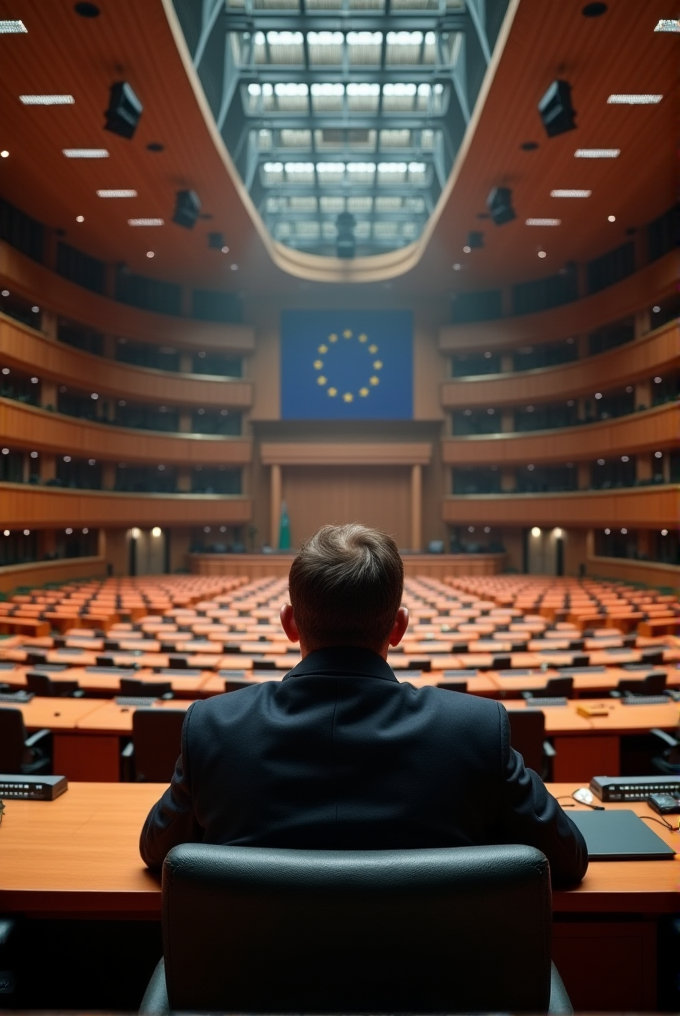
<point x="85" y="153"/>
<point x="597" y="153"/>
<point x="121" y="193"/>
<point x="573" y="192"/>
<point x="543" y="222"/>
<point x="47" y="100"/>
<point x="145" y="222"/>
<point x="664" y="25"/>
<point x="12" y="28"/>
<point x="634" y="100"/>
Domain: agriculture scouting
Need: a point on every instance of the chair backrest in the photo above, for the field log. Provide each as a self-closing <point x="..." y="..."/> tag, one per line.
<point x="252" y="929"/>
<point x="652" y="684"/>
<point x="40" y="684"/>
<point x="156" y="735"/>
<point x="453" y="685"/>
<point x="12" y="740"/>
<point x="560" y="686"/>
<point x="527" y="734"/>
<point x="135" y="686"/>
<point x="236" y="683"/>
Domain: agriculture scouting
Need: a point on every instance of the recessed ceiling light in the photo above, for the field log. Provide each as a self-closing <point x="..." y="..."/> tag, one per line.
<point x="120" y="192"/>
<point x="80" y="218"/>
<point x="607" y="532"/>
<point x="225" y="249"/>
<point x="611" y="218"/>
<point x="466" y="249"/>
<point x="634" y="100"/>
<point x="12" y="28"/>
<point x="85" y="153"/>
<point x="234" y="268"/>
<point x="4" y="154"/>
<point x="664" y="25"/>
<point x="5" y="292"/>
<point x="664" y="532"/>
<point x="624" y="531"/>
<point x="35" y="308"/>
<point x="456" y="267"/>
<point x="597" y="153"/>
<point x="145" y="222"/>
<point x="542" y="254"/>
<point x="68" y="531"/>
<point x="47" y="100"/>
<point x="543" y="222"/>
<point x="658" y="455"/>
<point x="570" y="192"/>
<point x="655" y="309"/>
<point x="149" y="253"/>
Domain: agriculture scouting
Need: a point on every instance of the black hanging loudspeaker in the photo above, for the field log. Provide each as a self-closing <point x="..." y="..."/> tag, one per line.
<point x="499" y="203"/>
<point x="557" y="112"/>
<point x="187" y="208"/>
<point x="475" y="240"/>
<point x="124" y="110"/>
<point x="345" y="223"/>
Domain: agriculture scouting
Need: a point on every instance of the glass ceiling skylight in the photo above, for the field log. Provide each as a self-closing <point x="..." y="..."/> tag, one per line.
<point x="342" y="107"/>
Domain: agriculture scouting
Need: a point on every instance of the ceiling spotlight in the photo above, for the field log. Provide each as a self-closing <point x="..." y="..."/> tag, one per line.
<point x="5" y="292"/>
<point x="234" y="267"/>
<point x="535" y="531"/>
<point x="4" y="154"/>
<point x="607" y="532"/>
<point x="35" y="308"/>
<point x="542" y="254"/>
<point x="467" y="249"/>
<point x="149" y="253"/>
<point x="6" y="532"/>
<point x="68" y="531"/>
<point x="156" y="531"/>
<point x="80" y="218"/>
<point x="124" y="112"/>
<point x="664" y="532"/>
<point x="611" y="218"/>
<point x="225" y="249"/>
<point x="555" y="109"/>
<point x="499" y="203"/>
<point x="456" y="267"/>
<point x="658" y="455"/>
<point x="655" y="309"/>
<point x="187" y="208"/>
<point x="624" y="532"/>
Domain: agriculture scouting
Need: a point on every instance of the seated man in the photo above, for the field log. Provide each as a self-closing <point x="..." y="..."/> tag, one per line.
<point x="341" y="755"/>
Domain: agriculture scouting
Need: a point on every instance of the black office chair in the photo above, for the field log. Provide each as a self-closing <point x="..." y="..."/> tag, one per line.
<point x="527" y="736"/>
<point x="253" y="929"/>
<point x="554" y="687"/>
<point x="19" y="754"/>
<point x="134" y="687"/>
<point x="453" y="685"/>
<point x="43" y="686"/>
<point x="652" y="684"/>
<point x="156" y="744"/>
<point x="236" y="683"/>
<point x="668" y="762"/>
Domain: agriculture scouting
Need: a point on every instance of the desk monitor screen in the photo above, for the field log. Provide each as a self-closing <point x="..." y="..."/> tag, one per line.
<point x="620" y="836"/>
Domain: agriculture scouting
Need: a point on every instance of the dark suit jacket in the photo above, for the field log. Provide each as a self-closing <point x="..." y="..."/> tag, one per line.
<point x="340" y="755"/>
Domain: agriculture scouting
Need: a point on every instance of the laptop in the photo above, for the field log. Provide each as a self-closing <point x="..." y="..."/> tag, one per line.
<point x="620" y="836"/>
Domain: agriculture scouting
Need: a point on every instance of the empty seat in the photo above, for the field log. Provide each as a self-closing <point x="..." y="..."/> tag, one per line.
<point x="19" y="754"/>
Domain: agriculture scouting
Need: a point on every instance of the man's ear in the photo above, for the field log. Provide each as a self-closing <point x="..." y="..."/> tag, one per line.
<point x="288" y="623"/>
<point x="400" y="626"/>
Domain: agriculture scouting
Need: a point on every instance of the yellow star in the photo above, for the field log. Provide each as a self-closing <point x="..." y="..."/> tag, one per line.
<point x="348" y="397"/>
<point x="323" y="349"/>
<point x="373" y="349"/>
<point x="374" y="380"/>
<point x="333" y="338"/>
<point x="332" y="392"/>
<point x="363" y="338"/>
<point x="321" y="380"/>
<point x="347" y="334"/>
<point x="363" y="392"/>
<point x="377" y="364"/>
<point x="318" y="364"/>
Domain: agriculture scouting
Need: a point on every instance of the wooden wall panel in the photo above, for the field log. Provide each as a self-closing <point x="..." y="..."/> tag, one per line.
<point x="255" y="566"/>
<point x="26" y="350"/>
<point x="627" y="435"/>
<point x="49" y="507"/>
<point x="28" y="427"/>
<point x="56" y="294"/>
<point x="643" y="508"/>
<point x="649" y="572"/>
<point x="653" y="282"/>
<point x="346" y="454"/>
<point x="636" y="360"/>
<point x="377" y="497"/>
<point x="40" y="572"/>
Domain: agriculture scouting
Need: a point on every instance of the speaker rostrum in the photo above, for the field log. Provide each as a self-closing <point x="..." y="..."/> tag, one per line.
<point x="187" y="208"/>
<point x="124" y="110"/>
<point x="557" y="112"/>
<point x="499" y="203"/>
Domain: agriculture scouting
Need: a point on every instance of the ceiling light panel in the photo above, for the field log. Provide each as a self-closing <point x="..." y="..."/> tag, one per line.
<point x="117" y="193"/>
<point x="12" y="28"/>
<point x="634" y="100"/>
<point x="543" y="222"/>
<point x="597" y="153"/>
<point x="47" y="100"/>
<point x="573" y="192"/>
<point x="668" y="25"/>
<point x="85" y="153"/>
<point x="145" y="222"/>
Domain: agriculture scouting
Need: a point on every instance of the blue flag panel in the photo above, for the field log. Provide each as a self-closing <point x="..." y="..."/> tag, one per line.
<point x="346" y="365"/>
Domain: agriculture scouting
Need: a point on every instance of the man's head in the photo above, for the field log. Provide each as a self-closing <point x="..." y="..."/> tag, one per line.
<point x="345" y="589"/>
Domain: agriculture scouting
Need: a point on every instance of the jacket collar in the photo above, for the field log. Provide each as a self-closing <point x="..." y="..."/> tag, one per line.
<point x="337" y="661"/>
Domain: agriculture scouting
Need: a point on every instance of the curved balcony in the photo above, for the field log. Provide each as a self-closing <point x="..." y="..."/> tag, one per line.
<point x="617" y="367"/>
<point x="58" y="295"/>
<point x="51" y="508"/>
<point x="647" y="431"/>
<point x="653" y="282"/>
<point x="24" y="349"/>
<point x="29" y="427"/>
<point x="642" y="508"/>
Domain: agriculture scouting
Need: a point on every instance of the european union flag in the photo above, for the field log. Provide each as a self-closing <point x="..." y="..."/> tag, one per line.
<point x="346" y="365"/>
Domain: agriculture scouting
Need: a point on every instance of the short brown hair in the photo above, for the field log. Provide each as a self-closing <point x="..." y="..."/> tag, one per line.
<point x="346" y="586"/>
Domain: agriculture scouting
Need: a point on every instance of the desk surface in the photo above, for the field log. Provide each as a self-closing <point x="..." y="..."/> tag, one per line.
<point x="78" y="856"/>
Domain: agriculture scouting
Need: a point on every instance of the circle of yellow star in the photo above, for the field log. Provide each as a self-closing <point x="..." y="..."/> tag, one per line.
<point x="321" y="380"/>
<point x="363" y="338"/>
<point x="323" y="349"/>
<point x="348" y="397"/>
<point x="347" y="334"/>
<point x="318" y="364"/>
<point x="332" y="392"/>
<point x="377" y="364"/>
<point x="333" y="338"/>
<point x="363" y="392"/>
<point x="374" y="380"/>
<point x="373" y="349"/>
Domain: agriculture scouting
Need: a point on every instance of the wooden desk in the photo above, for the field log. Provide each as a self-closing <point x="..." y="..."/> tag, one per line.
<point x="77" y="857"/>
